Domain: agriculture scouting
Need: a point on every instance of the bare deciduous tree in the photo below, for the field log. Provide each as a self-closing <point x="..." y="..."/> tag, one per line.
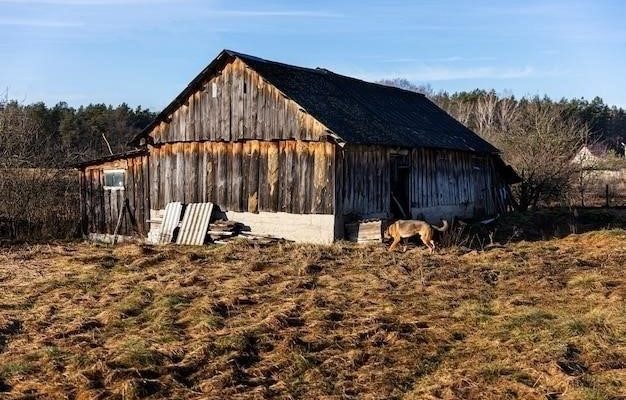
<point x="537" y="138"/>
<point x="34" y="201"/>
<point x="540" y="143"/>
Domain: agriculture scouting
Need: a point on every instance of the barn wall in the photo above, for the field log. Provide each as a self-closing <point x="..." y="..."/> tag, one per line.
<point x="251" y="176"/>
<point x="363" y="183"/>
<point x="100" y="207"/>
<point x="235" y="105"/>
<point x="454" y="183"/>
<point x="442" y="183"/>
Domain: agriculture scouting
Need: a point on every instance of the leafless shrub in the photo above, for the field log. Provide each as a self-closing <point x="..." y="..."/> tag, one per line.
<point x="38" y="199"/>
<point x="537" y="138"/>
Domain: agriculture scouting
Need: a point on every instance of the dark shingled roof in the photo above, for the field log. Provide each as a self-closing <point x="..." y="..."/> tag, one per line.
<point x="361" y="112"/>
<point x="358" y="112"/>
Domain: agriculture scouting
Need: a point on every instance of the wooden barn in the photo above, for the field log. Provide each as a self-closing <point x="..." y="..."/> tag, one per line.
<point x="297" y="153"/>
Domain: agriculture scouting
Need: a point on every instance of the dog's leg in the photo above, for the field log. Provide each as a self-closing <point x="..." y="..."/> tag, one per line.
<point x="404" y="245"/>
<point x="394" y="244"/>
<point x="434" y="247"/>
<point x="426" y="243"/>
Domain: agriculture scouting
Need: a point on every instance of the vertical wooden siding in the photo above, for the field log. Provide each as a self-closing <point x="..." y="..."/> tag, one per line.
<point x="244" y="107"/>
<point x="252" y="176"/>
<point x="437" y="178"/>
<point x="363" y="185"/>
<point x="102" y="206"/>
<point x="447" y="178"/>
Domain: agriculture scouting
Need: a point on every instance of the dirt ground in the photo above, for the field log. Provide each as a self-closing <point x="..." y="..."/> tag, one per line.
<point x="532" y="320"/>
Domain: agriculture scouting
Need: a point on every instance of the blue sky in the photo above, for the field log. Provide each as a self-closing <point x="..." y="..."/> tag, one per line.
<point x="145" y="51"/>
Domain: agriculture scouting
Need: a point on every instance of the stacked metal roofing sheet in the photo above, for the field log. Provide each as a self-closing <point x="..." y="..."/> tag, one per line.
<point x="170" y="221"/>
<point x="195" y="224"/>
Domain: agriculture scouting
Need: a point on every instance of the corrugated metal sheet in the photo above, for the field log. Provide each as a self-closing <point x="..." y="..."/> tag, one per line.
<point x="170" y="221"/>
<point x="195" y="224"/>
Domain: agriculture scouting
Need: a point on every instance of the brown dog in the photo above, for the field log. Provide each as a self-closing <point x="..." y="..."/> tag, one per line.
<point x="403" y="229"/>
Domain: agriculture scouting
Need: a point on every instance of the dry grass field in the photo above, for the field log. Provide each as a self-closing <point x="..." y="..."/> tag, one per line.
<point x="533" y="320"/>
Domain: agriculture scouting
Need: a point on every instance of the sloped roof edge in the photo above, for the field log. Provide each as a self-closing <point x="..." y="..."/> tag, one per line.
<point x="112" y="157"/>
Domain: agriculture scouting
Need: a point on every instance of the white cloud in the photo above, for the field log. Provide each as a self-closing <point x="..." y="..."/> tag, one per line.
<point x="274" y="13"/>
<point x="39" y="23"/>
<point x="449" y="74"/>
<point x="84" y="2"/>
<point x="450" y="59"/>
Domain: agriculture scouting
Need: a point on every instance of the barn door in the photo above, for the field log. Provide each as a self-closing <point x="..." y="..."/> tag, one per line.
<point x="480" y="186"/>
<point x="400" y="172"/>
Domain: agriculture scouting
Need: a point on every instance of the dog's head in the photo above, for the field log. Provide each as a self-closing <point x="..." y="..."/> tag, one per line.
<point x="386" y="234"/>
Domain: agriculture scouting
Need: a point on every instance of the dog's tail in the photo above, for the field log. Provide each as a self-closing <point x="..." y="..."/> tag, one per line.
<point x="443" y="227"/>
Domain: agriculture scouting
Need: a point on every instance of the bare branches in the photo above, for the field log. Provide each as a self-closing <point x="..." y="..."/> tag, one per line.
<point x="538" y="138"/>
<point x="34" y="201"/>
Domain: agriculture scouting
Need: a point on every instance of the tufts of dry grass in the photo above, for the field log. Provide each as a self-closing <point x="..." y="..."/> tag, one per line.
<point x="530" y="321"/>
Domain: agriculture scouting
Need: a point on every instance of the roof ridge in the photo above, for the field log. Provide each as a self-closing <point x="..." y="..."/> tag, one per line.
<point x="318" y="70"/>
<point x="264" y="60"/>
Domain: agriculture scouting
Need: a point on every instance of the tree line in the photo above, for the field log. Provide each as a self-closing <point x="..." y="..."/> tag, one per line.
<point x="605" y="123"/>
<point x="538" y="136"/>
<point x="36" y="135"/>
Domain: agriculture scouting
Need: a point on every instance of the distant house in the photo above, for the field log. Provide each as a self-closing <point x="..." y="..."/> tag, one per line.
<point x="297" y="152"/>
<point x="602" y="175"/>
<point x="591" y="155"/>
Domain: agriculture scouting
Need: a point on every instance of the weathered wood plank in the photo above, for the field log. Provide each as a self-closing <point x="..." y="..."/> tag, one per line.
<point x="236" y="177"/>
<point x="264" y="186"/>
<point x="190" y="118"/>
<point x="178" y="194"/>
<point x="251" y="106"/>
<point x="261" y="110"/>
<point x="210" y="172"/>
<point x="253" y="177"/>
<point x="195" y="188"/>
<point x="319" y="165"/>
<point x="237" y="106"/>
<point x="273" y="171"/>
<point x="245" y="165"/>
<point x="90" y="206"/>
<point x="222" y="175"/>
<point x="303" y="202"/>
<point x="102" y="210"/>
<point x="224" y="90"/>
<point x="286" y="178"/>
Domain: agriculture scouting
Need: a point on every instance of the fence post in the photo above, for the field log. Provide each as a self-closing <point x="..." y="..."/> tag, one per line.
<point x="606" y="195"/>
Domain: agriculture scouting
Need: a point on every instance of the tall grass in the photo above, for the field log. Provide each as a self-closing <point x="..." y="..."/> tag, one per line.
<point x="38" y="204"/>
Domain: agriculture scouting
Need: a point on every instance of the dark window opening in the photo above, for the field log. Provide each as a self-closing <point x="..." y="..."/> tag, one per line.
<point x="400" y="193"/>
<point x="114" y="179"/>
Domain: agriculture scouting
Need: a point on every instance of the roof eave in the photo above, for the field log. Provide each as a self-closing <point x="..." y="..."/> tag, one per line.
<point x="112" y="157"/>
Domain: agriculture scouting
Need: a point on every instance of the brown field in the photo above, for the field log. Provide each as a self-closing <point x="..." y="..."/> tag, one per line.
<point x="534" y="320"/>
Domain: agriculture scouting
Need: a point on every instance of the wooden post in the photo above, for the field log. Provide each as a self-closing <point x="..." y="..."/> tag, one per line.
<point x="119" y="221"/>
<point x="606" y="195"/>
